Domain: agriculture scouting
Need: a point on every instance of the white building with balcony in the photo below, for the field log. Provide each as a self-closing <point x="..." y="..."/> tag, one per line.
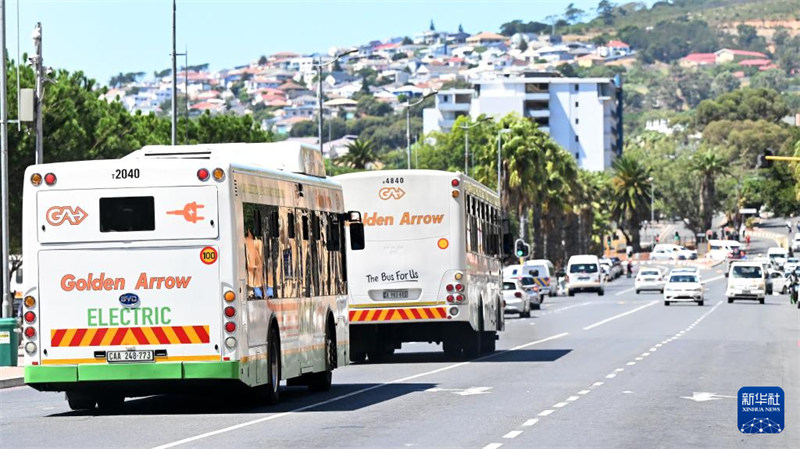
<point x="450" y="104"/>
<point x="580" y="114"/>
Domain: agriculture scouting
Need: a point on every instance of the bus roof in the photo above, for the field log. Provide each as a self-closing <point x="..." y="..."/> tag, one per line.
<point x="296" y="157"/>
<point x="464" y="179"/>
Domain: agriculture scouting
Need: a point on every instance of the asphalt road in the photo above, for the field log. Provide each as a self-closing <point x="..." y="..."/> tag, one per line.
<point x="620" y="370"/>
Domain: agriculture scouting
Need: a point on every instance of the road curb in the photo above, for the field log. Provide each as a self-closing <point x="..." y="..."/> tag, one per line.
<point x="13" y="382"/>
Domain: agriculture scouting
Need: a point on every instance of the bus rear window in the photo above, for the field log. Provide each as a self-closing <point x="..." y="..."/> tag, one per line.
<point x="127" y="214"/>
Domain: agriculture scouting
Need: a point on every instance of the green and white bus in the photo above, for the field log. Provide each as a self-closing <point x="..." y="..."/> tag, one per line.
<point x="185" y="267"/>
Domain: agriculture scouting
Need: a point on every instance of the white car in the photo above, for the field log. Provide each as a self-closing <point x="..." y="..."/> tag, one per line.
<point x="649" y="279"/>
<point x="796" y="243"/>
<point x="515" y="298"/>
<point x="669" y="251"/>
<point x="532" y="290"/>
<point x="683" y="287"/>
<point x="777" y="257"/>
<point x="584" y="273"/>
<point x="747" y="280"/>
<point x="791" y="264"/>
<point x="779" y="284"/>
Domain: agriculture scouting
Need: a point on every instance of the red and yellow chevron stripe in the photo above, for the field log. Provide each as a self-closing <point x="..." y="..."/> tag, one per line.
<point x="405" y="314"/>
<point x="127" y="336"/>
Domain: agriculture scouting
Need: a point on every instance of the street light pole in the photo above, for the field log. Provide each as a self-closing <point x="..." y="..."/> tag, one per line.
<point x="408" y="107"/>
<point x="500" y="163"/>
<point x="5" y="301"/>
<point x="174" y="81"/>
<point x="319" y="67"/>
<point x="652" y="209"/>
<point x="466" y="129"/>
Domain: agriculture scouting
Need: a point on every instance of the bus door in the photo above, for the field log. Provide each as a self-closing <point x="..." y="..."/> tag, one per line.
<point x="304" y="244"/>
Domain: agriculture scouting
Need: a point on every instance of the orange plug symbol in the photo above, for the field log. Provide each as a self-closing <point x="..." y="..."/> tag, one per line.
<point x="189" y="212"/>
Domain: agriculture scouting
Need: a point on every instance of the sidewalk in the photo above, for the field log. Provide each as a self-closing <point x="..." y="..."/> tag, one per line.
<point x="13" y="376"/>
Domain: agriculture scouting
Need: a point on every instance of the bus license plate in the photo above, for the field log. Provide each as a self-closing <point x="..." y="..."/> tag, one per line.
<point x="395" y="294"/>
<point x="129" y="356"/>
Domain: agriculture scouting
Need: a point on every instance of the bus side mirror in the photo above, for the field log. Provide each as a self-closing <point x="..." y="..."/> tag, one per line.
<point x="508" y="244"/>
<point x="356" y="236"/>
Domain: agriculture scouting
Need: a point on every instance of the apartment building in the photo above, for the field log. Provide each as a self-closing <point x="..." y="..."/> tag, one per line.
<point x="580" y="114"/>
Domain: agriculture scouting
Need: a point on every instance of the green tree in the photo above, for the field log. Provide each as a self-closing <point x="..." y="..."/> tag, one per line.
<point x="723" y="83"/>
<point x="262" y="60"/>
<point x="573" y="14"/>
<point x="770" y="79"/>
<point x="742" y="104"/>
<point x="360" y="153"/>
<point x="605" y="10"/>
<point x="631" y="197"/>
<point x="523" y="45"/>
<point x="407" y="41"/>
<point x="709" y="165"/>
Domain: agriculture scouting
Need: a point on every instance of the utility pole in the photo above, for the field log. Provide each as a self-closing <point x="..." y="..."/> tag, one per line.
<point x="38" y="69"/>
<point x="6" y="298"/>
<point x="174" y="82"/>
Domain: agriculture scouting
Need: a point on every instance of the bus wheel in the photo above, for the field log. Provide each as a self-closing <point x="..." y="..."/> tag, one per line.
<point x="489" y="342"/>
<point x="322" y="381"/>
<point x="110" y="402"/>
<point x="473" y="339"/>
<point x="452" y="349"/>
<point x="80" y="401"/>
<point x="269" y="392"/>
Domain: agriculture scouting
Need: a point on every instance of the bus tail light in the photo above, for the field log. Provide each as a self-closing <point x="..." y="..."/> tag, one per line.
<point x="30" y="347"/>
<point x="36" y="179"/>
<point x="230" y="312"/>
<point x="50" y="179"/>
<point x="30" y="332"/>
<point x="449" y="287"/>
<point x="29" y="301"/>
<point x="459" y="298"/>
<point x="219" y="174"/>
<point x="458" y="276"/>
<point x="459" y="287"/>
<point x="203" y="174"/>
<point x="454" y="183"/>
<point x="230" y="342"/>
<point x="30" y="317"/>
<point x="230" y="326"/>
<point x="229" y="296"/>
<point x="456" y="193"/>
<point x="449" y="298"/>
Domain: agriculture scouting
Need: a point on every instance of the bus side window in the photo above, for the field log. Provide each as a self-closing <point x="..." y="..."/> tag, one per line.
<point x="332" y="233"/>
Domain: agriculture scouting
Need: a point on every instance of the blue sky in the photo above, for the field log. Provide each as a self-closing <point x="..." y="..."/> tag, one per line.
<point x="105" y="37"/>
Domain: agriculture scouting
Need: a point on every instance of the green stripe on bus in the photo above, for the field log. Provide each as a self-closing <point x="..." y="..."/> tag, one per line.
<point x="138" y="371"/>
<point x="43" y="374"/>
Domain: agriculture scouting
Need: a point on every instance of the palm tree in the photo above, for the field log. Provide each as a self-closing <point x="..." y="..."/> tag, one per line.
<point x="631" y="187"/>
<point x="709" y="165"/>
<point x="359" y="154"/>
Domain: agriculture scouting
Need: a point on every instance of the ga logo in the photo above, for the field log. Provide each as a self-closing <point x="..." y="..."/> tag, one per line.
<point x="391" y="193"/>
<point x="208" y="255"/>
<point x="57" y="215"/>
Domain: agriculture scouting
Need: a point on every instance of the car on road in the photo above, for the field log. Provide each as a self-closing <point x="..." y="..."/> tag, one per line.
<point x="605" y="267"/>
<point x="683" y="287"/>
<point x="651" y="279"/>
<point x="542" y="270"/>
<point x="616" y="266"/>
<point x="690" y="270"/>
<point x="531" y="289"/>
<point x="584" y="274"/>
<point x="777" y="280"/>
<point x="515" y="298"/>
<point x="723" y="249"/>
<point x="777" y="257"/>
<point x="747" y="280"/>
<point x="791" y="264"/>
<point x="669" y="251"/>
<point x="796" y="242"/>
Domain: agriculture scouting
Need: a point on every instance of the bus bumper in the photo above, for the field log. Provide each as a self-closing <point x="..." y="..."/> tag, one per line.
<point x="58" y="374"/>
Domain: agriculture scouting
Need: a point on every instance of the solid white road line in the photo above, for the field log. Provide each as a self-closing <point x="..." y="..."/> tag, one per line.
<point x="351" y="394"/>
<point x="512" y="434"/>
<point x="530" y="422"/>
<point x="622" y="292"/>
<point x="600" y="323"/>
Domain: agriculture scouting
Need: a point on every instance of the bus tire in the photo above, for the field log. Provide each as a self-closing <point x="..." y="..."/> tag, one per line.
<point x="451" y="347"/>
<point x="322" y="381"/>
<point x="79" y="400"/>
<point x="270" y="392"/>
<point x="474" y="338"/>
<point x="489" y="342"/>
<point x="358" y="357"/>
<point x="110" y="402"/>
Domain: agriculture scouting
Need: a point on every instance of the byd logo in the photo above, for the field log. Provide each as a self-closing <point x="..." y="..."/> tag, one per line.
<point x="391" y="193"/>
<point x="57" y="215"/>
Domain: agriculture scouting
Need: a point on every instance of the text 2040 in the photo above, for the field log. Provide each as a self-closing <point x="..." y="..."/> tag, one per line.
<point x="121" y="173"/>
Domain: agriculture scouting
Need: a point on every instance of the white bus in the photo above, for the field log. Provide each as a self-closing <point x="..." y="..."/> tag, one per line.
<point x="431" y="270"/>
<point x="197" y="266"/>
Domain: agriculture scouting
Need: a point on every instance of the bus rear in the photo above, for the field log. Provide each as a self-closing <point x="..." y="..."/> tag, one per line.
<point x="411" y="283"/>
<point x="124" y="290"/>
